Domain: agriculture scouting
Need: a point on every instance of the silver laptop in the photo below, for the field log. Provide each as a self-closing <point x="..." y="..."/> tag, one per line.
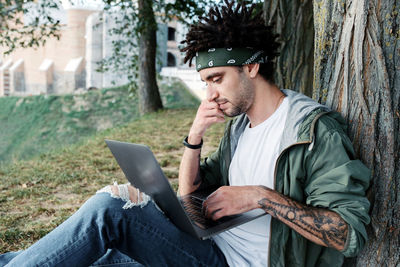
<point x="143" y="172"/>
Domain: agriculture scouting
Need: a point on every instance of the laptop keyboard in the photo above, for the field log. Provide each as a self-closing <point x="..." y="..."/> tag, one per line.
<point x="193" y="207"/>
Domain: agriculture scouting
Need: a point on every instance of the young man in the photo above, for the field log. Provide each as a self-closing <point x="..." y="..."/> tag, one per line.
<point x="283" y="153"/>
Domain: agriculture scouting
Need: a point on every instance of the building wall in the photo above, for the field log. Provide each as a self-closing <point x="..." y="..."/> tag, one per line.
<point x="94" y="50"/>
<point x="173" y="45"/>
<point x="70" y="63"/>
<point x="162" y="39"/>
<point x="70" y="46"/>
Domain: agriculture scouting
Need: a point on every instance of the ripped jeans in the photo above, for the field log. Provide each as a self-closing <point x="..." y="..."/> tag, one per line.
<point x="103" y="233"/>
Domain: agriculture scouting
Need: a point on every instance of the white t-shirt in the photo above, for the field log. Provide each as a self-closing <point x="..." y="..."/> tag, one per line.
<point x="253" y="164"/>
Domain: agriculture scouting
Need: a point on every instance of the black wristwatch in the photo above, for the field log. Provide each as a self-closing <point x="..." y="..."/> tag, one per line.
<point x="186" y="144"/>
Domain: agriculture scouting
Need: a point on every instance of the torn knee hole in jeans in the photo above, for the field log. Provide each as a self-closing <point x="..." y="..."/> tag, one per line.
<point x="132" y="196"/>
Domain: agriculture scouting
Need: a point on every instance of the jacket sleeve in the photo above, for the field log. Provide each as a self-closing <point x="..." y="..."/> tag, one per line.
<point x="337" y="181"/>
<point x="210" y="169"/>
<point x="214" y="169"/>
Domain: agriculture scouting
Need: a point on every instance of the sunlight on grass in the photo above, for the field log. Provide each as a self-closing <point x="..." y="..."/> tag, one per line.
<point x="39" y="194"/>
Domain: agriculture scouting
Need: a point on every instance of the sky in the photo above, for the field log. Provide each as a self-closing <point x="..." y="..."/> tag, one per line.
<point x="82" y="3"/>
<point x="89" y="3"/>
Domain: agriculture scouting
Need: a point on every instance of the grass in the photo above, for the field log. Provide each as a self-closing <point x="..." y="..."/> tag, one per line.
<point x="38" y="194"/>
<point x="36" y="124"/>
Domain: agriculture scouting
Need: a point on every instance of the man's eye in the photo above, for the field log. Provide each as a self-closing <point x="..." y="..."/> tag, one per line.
<point x="216" y="80"/>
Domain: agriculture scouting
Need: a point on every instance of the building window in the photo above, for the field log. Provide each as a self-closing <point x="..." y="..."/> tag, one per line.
<point x="171" y="60"/>
<point x="171" y="34"/>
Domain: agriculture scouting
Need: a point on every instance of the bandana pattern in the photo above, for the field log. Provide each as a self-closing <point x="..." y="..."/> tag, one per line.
<point x="217" y="57"/>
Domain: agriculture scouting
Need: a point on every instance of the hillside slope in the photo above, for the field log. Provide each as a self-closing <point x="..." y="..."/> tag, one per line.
<point x="36" y="124"/>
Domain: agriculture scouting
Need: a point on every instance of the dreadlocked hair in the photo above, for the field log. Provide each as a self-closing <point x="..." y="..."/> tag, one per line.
<point x="233" y="25"/>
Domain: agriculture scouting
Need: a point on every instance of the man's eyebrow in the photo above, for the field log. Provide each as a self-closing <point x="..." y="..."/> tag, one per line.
<point x="212" y="75"/>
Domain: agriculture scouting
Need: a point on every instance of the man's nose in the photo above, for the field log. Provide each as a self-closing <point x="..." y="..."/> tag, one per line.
<point x="212" y="93"/>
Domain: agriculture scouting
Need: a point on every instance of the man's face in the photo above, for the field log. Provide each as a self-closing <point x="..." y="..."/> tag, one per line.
<point x="230" y="88"/>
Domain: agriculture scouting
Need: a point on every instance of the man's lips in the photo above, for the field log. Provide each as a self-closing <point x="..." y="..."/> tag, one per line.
<point x="222" y="103"/>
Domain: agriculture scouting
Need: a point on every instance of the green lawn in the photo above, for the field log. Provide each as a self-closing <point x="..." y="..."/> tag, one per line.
<point x="36" y="124"/>
<point x="38" y="194"/>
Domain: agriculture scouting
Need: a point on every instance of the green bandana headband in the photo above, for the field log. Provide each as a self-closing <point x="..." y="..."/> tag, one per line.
<point x="217" y="57"/>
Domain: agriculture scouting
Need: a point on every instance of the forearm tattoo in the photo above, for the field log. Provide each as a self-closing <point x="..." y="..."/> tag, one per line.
<point x="319" y="225"/>
<point x="197" y="180"/>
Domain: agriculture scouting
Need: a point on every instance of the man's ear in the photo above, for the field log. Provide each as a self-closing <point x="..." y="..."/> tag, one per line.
<point x="253" y="69"/>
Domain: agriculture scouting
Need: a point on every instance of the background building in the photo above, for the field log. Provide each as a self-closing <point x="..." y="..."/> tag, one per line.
<point x="70" y="64"/>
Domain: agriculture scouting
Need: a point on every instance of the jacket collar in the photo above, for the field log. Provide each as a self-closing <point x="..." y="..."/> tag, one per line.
<point x="302" y="114"/>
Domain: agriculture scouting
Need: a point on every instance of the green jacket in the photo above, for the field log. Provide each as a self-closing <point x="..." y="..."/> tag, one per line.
<point x="316" y="166"/>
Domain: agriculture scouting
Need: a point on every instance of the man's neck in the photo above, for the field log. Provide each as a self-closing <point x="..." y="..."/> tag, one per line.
<point x="267" y="99"/>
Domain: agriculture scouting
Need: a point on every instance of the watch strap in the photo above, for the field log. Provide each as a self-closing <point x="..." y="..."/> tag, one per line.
<point x="186" y="144"/>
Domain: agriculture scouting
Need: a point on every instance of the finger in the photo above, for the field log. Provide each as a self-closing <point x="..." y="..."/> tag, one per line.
<point x="218" y="214"/>
<point x="213" y="120"/>
<point x="207" y="121"/>
<point x="213" y="198"/>
<point x="204" y="207"/>
<point x="211" y="211"/>
<point x="213" y="113"/>
<point x="210" y="206"/>
<point x="215" y="215"/>
<point x="215" y="211"/>
<point x="214" y="108"/>
<point x="209" y="199"/>
<point x="210" y="104"/>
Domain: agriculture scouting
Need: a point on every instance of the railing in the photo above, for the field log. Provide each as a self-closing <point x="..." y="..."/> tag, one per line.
<point x="189" y="76"/>
<point x="6" y="82"/>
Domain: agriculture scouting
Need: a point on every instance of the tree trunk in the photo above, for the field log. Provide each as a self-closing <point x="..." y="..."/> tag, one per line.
<point x="356" y="48"/>
<point x="149" y="96"/>
<point x="293" y="21"/>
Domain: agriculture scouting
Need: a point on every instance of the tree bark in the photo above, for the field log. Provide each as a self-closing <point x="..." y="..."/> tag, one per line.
<point x="149" y="96"/>
<point x="355" y="72"/>
<point x="293" y="21"/>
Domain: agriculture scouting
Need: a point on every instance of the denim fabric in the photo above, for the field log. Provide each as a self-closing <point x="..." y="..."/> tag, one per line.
<point x="102" y="233"/>
<point x="112" y="258"/>
<point x="115" y="258"/>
